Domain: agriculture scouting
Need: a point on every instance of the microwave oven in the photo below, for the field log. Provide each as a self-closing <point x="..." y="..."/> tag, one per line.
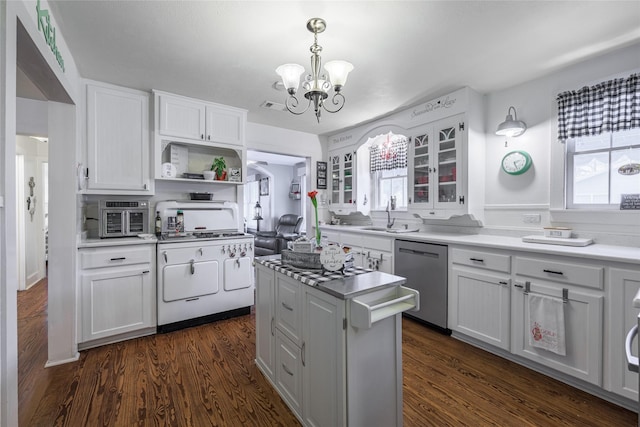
<point x="121" y="218"/>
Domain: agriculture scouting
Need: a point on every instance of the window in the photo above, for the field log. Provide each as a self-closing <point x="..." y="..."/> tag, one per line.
<point x="601" y="128"/>
<point x="391" y="183"/>
<point x="388" y="167"/>
<point x="596" y="173"/>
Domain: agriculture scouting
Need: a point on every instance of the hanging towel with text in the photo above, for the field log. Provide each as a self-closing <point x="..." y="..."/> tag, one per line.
<point x="546" y="323"/>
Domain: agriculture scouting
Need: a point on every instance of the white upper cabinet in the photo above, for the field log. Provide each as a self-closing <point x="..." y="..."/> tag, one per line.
<point x="117" y="141"/>
<point x="198" y="120"/>
<point x="445" y="159"/>
<point x="435" y="168"/>
<point x="342" y="170"/>
<point x="190" y="134"/>
<point x="224" y="125"/>
<point x="181" y="117"/>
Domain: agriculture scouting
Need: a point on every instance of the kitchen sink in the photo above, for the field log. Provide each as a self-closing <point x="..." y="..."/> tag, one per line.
<point x="391" y="230"/>
<point x="376" y="228"/>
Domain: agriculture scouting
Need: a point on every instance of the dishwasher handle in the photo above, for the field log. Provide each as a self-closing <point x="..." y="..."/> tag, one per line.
<point x="632" y="361"/>
<point x="420" y="253"/>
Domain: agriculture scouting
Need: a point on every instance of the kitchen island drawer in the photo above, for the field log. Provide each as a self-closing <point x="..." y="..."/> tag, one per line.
<point x="480" y="259"/>
<point x="589" y="276"/>
<point x="114" y="256"/>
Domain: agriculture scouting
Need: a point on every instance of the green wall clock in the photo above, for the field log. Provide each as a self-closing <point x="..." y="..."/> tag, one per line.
<point x="516" y="162"/>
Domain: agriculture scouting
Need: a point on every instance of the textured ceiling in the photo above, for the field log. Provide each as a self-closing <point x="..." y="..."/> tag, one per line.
<point x="404" y="52"/>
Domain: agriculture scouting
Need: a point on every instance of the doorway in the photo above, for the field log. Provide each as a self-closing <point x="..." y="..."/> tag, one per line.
<point x="282" y="192"/>
<point x="31" y="210"/>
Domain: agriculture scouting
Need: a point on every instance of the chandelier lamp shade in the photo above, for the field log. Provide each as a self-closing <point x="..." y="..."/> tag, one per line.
<point x="316" y="85"/>
<point x="511" y="125"/>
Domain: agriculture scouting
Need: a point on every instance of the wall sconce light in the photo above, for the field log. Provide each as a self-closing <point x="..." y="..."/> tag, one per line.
<point x="511" y="125"/>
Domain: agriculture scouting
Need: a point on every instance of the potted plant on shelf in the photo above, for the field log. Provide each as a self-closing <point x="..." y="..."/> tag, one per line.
<point x="219" y="166"/>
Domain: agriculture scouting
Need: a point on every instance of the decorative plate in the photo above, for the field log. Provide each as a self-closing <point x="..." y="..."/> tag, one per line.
<point x="332" y="257"/>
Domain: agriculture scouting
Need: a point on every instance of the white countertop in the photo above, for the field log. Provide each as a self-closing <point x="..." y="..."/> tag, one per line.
<point x="116" y="241"/>
<point x="595" y="251"/>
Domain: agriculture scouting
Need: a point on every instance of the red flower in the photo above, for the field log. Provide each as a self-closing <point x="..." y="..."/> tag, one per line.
<point x="312" y="195"/>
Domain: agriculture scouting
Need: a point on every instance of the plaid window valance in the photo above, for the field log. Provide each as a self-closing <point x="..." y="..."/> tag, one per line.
<point x="391" y="154"/>
<point x="606" y="107"/>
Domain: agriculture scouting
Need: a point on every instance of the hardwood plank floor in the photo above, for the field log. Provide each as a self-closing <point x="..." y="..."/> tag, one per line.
<point x="206" y="376"/>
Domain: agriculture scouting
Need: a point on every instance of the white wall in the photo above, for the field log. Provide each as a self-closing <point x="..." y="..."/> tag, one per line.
<point x="541" y="189"/>
<point x="31" y="117"/>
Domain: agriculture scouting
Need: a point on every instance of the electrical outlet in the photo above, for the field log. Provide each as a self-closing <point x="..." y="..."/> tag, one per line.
<point x="531" y="218"/>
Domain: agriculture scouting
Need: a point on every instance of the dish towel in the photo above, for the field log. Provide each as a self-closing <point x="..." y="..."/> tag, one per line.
<point x="546" y="323"/>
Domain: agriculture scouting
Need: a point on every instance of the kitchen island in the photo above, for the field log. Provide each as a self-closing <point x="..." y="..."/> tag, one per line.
<point x="331" y="344"/>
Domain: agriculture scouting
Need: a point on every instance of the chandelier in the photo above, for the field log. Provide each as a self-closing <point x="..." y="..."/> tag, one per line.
<point x="316" y="86"/>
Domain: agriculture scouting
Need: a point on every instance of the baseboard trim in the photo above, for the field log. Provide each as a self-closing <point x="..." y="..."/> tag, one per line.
<point x="51" y="363"/>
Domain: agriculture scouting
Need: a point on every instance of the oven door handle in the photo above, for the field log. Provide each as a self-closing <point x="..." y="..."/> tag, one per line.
<point x="193" y="266"/>
<point x="632" y="361"/>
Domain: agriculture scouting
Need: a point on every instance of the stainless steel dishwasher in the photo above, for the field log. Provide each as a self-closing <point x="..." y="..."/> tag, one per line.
<point x="425" y="267"/>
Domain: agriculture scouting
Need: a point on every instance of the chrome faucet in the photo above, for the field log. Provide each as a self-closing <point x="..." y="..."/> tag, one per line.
<point x="390" y="221"/>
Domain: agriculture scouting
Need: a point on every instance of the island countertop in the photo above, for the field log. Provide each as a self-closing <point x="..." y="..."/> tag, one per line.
<point x="354" y="282"/>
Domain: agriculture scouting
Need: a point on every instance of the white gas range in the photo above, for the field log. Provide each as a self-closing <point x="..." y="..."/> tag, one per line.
<point x="205" y="271"/>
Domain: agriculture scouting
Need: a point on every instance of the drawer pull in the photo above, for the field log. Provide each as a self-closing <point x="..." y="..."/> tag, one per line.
<point x="192" y="299"/>
<point x="287" y="369"/>
<point x="119" y="258"/>
<point x="553" y="272"/>
<point x="503" y="282"/>
<point x="476" y="259"/>
<point x="145" y="272"/>
<point x="192" y="267"/>
<point x="518" y="285"/>
<point x="288" y="307"/>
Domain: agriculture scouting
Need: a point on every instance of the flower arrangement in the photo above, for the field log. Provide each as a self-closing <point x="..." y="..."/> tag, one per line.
<point x="314" y="202"/>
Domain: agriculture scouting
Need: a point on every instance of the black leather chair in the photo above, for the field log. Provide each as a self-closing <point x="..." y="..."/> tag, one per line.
<point x="273" y="242"/>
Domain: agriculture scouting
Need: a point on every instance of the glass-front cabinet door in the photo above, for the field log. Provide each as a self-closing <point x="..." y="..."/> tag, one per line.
<point x="342" y="166"/>
<point x="434" y="165"/>
<point x="334" y="161"/>
<point x="447" y="134"/>
<point x="348" y="179"/>
<point x="420" y="167"/>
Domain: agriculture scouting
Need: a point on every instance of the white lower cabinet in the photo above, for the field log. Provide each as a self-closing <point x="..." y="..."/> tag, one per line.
<point x="583" y="330"/>
<point x="490" y="298"/>
<point x="323" y="359"/>
<point x="374" y="252"/>
<point x="480" y="295"/>
<point x="265" y="320"/>
<point x="288" y="373"/>
<point x="117" y="294"/>
<point x="623" y="284"/>
<point x="580" y="286"/>
<point x="480" y="306"/>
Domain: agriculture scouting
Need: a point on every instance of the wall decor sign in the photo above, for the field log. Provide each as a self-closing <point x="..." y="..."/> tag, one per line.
<point x="264" y="187"/>
<point x="321" y="175"/>
<point x="49" y="32"/>
<point x="630" y="201"/>
<point x="235" y="175"/>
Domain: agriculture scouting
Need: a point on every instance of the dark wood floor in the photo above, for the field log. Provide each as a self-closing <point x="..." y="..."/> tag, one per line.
<point x="206" y="376"/>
